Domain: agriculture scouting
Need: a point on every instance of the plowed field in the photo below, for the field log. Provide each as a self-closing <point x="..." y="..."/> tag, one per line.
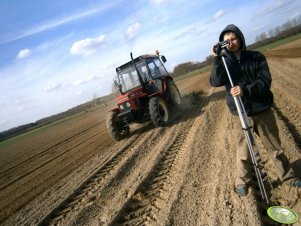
<point x="73" y="173"/>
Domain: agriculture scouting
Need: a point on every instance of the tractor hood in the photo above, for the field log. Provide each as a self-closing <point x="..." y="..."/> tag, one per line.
<point x="130" y="95"/>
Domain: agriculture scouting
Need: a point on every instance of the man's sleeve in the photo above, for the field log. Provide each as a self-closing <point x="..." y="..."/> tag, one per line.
<point x="218" y="73"/>
<point x="263" y="81"/>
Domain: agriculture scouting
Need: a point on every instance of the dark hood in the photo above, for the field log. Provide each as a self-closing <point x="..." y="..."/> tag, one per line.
<point x="236" y="30"/>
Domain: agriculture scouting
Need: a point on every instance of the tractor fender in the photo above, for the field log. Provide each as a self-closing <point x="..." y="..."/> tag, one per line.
<point x="114" y="109"/>
<point x="165" y="83"/>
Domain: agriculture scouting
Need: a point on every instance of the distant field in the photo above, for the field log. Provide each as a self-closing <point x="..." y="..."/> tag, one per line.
<point x="37" y="130"/>
<point x="192" y="73"/>
<point x="278" y="43"/>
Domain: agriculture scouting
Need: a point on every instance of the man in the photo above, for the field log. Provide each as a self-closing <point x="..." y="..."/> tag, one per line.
<point x="252" y="81"/>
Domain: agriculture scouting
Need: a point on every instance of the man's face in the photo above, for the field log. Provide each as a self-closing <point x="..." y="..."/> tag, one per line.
<point x="234" y="41"/>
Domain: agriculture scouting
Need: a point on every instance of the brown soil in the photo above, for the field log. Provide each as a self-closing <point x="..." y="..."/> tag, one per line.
<point x="73" y="173"/>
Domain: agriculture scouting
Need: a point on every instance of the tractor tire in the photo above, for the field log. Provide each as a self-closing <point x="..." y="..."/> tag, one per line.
<point x="172" y="93"/>
<point x="158" y="111"/>
<point x="115" y="128"/>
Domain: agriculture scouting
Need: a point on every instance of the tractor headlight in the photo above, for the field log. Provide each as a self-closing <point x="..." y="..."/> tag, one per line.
<point x="121" y="107"/>
<point x="128" y="104"/>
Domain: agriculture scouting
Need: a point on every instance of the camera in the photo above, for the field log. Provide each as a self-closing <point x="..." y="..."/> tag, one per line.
<point x="217" y="48"/>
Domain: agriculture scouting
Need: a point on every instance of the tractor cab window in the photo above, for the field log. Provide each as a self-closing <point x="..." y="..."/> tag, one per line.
<point x="156" y="68"/>
<point x="129" y="79"/>
<point x="143" y="72"/>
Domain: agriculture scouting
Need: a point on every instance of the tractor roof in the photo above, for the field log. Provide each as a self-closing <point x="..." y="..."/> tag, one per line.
<point x="136" y="60"/>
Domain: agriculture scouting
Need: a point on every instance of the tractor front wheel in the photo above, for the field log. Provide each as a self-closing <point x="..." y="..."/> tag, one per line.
<point x="158" y="111"/>
<point x="116" y="129"/>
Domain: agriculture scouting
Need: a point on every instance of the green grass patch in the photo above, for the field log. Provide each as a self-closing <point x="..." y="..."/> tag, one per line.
<point x="41" y="128"/>
<point x="278" y="43"/>
<point x="33" y="131"/>
<point x="193" y="73"/>
<point x="37" y="130"/>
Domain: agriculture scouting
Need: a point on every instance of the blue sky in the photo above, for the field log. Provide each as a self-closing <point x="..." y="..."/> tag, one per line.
<point x="58" y="54"/>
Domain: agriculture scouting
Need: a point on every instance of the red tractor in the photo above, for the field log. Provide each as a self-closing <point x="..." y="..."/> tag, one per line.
<point x="148" y="92"/>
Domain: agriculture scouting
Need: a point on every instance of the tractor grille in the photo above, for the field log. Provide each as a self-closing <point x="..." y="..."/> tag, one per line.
<point x="125" y="106"/>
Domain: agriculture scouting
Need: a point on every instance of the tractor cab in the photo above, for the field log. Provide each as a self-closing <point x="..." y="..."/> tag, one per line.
<point x="149" y="68"/>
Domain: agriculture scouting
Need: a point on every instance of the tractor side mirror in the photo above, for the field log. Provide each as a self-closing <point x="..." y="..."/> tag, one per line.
<point x="116" y="83"/>
<point x="163" y="59"/>
<point x="119" y="86"/>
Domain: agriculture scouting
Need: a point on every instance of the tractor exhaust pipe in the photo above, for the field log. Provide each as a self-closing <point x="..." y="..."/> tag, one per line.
<point x="138" y="73"/>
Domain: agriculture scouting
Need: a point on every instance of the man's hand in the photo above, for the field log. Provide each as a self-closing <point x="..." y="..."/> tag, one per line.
<point x="212" y="52"/>
<point x="236" y="91"/>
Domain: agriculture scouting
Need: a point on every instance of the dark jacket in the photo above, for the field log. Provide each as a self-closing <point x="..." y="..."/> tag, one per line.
<point x="251" y="73"/>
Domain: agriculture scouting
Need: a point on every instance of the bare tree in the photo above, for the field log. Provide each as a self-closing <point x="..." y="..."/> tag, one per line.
<point x="95" y="100"/>
<point x="261" y="37"/>
<point x="271" y="33"/>
<point x="277" y="30"/>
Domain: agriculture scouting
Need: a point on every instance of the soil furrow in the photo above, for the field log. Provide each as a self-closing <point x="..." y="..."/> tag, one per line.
<point x="120" y="188"/>
<point x="30" y="186"/>
<point x="55" y="146"/>
<point x="68" y="185"/>
<point x="53" y="157"/>
<point x="88" y="190"/>
<point x="289" y="113"/>
<point x="208" y="197"/>
<point x="151" y="202"/>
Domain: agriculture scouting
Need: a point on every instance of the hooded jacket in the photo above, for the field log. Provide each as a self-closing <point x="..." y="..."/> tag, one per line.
<point x="251" y="73"/>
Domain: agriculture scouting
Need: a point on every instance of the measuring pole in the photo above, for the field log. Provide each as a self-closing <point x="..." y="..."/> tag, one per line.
<point x="248" y="134"/>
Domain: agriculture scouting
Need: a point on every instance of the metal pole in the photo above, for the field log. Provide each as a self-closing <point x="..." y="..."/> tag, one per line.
<point x="248" y="134"/>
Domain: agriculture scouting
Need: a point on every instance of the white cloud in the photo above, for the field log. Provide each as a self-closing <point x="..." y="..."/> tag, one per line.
<point x="20" y="108"/>
<point x="23" y="53"/>
<point x="83" y="81"/>
<point x="53" y="87"/>
<point x="295" y="15"/>
<point x="189" y="32"/>
<point x="157" y="2"/>
<point x="133" y="30"/>
<point x="100" y="87"/>
<point x="87" y="46"/>
<point x="79" y="93"/>
<point x="110" y="65"/>
<point x="258" y="28"/>
<point x="219" y="14"/>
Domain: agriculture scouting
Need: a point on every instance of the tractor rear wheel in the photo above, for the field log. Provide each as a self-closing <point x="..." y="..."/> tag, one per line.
<point x="173" y="94"/>
<point x="158" y="111"/>
<point x="116" y="129"/>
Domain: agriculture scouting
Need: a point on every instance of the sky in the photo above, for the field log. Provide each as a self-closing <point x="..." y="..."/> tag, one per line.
<point x="55" y="55"/>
